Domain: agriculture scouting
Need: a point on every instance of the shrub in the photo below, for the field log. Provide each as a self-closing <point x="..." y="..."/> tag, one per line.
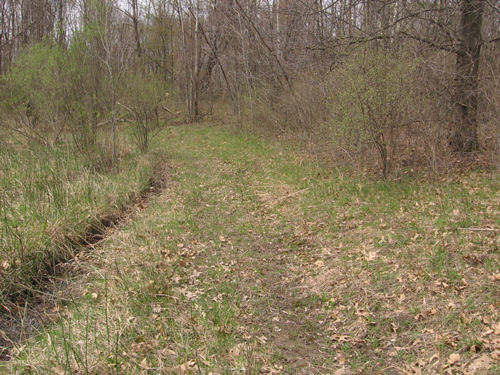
<point x="143" y="100"/>
<point x="372" y="101"/>
<point x="35" y="92"/>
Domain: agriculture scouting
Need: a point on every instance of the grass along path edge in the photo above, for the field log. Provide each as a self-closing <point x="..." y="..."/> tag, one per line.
<point x="50" y="238"/>
<point x="256" y="259"/>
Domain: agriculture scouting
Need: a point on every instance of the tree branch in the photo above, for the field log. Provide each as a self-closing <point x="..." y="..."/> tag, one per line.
<point x="430" y="43"/>
<point x="492" y="40"/>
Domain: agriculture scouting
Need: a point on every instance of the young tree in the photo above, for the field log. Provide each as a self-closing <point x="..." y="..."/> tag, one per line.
<point x="113" y="53"/>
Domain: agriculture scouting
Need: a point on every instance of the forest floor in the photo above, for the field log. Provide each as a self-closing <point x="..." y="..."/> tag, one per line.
<point x="257" y="259"/>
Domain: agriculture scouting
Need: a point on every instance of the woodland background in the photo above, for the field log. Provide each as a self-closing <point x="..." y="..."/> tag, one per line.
<point x="395" y="85"/>
<point x="334" y="209"/>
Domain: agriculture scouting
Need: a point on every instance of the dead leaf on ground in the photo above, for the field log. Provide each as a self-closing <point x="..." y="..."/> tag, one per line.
<point x="187" y="367"/>
<point x="235" y="351"/>
<point x="496" y="328"/>
<point x="454" y="358"/>
<point x="262" y="339"/>
<point x="479" y="365"/>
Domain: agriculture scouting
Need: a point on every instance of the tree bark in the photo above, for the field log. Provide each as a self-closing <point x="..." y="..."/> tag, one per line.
<point x="465" y="137"/>
<point x="135" y="21"/>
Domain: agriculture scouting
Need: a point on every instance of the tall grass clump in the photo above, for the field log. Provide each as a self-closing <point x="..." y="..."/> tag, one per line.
<point x="50" y="199"/>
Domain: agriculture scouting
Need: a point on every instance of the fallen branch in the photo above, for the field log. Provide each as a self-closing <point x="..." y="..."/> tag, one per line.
<point x="290" y="195"/>
<point x="481" y="229"/>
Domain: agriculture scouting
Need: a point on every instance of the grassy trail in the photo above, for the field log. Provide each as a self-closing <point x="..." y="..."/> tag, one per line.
<point x="256" y="260"/>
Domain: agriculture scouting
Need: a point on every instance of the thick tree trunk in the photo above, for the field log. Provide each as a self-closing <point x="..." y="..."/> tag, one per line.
<point x="465" y="138"/>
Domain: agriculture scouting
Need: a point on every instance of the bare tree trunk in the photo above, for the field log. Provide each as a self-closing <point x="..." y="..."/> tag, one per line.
<point x="195" y="72"/>
<point x="184" y="55"/>
<point x="135" y="21"/>
<point x="465" y="138"/>
<point x="278" y="29"/>
<point x="4" y="24"/>
<point x="61" y="26"/>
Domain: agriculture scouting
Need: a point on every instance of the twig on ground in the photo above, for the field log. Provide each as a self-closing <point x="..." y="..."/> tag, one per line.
<point x="481" y="229"/>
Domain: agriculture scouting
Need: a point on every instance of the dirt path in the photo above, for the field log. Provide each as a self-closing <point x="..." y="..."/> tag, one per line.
<point x="287" y="316"/>
<point x="266" y="253"/>
<point x="275" y="308"/>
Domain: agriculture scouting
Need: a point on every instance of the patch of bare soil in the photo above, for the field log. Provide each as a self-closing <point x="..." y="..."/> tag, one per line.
<point x="281" y="312"/>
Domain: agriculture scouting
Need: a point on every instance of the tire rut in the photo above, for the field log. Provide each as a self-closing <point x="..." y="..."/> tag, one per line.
<point x="284" y="314"/>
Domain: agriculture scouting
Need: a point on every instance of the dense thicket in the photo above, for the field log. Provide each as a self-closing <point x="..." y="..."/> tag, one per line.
<point x="390" y="82"/>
